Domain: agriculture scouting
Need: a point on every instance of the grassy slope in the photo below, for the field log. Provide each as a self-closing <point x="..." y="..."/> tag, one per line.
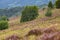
<point x="22" y="29"/>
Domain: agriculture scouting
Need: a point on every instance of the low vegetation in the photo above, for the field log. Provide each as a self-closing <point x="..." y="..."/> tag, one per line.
<point x="35" y="32"/>
<point x="13" y="37"/>
<point x="35" y="24"/>
<point x="3" y="25"/>
<point x="4" y="18"/>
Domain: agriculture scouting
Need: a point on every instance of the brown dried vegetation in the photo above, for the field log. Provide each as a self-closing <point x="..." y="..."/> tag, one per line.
<point x="51" y="33"/>
<point x="13" y="37"/>
<point x="35" y="32"/>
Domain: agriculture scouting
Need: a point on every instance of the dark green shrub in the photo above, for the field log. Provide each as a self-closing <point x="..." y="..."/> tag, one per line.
<point x="29" y="13"/>
<point x="3" y="25"/>
<point x="50" y="5"/>
<point x="58" y="4"/>
<point x="48" y="13"/>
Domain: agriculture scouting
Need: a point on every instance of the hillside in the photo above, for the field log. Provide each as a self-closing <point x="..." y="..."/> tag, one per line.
<point x="15" y="11"/>
<point x="21" y="29"/>
<point x="11" y="11"/>
<point x="15" y="3"/>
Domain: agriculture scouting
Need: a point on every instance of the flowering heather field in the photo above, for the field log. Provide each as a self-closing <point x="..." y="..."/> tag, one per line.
<point x="42" y="28"/>
<point x="29" y="19"/>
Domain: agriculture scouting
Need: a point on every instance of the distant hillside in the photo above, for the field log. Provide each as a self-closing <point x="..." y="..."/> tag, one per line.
<point x="42" y="6"/>
<point x="14" y="3"/>
<point x="14" y="11"/>
<point x="10" y="12"/>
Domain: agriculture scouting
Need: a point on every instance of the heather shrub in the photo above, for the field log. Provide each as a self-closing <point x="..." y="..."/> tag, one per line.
<point x="34" y="32"/>
<point x="3" y="18"/>
<point x="13" y="37"/>
<point x="50" y="30"/>
<point x="3" y="25"/>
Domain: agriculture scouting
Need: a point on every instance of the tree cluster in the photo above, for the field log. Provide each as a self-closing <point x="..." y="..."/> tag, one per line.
<point x="29" y="13"/>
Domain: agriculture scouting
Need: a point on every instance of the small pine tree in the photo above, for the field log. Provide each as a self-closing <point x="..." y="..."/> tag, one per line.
<point x="50" y="5"/>
<point x="58" y="4"/>
<point x="29" y="13"/>
<point x="49" y="13"/>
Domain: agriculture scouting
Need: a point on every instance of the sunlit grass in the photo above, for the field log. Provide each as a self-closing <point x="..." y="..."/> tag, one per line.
<point x="23" y="32"/>
<point x="32" y="37"/>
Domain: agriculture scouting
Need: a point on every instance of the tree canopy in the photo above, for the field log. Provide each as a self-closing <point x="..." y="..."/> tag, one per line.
<point x="50" y="5"/>
<point x="58" y="4"/>
<point x="29" y="13"/>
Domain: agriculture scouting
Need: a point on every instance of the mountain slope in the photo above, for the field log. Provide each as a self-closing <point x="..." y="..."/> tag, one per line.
<point x="11" y="12"/>
<point x="14" y="3"/>
<point x="21" y="29"/>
